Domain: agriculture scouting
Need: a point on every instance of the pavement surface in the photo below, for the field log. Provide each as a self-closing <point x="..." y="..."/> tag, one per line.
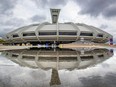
<point x="86" y="46"/>
<point x="3" y="47"/>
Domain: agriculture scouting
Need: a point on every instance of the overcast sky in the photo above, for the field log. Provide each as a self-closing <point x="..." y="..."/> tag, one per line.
<point x="17" y="13"/>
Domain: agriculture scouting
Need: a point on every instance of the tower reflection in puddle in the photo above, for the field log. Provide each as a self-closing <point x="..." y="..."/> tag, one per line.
<point x="58" y="59"/>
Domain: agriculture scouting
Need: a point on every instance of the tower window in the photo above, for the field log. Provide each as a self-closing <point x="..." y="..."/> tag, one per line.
<point x="55" y="17"/>
<point x="55" y="10"/>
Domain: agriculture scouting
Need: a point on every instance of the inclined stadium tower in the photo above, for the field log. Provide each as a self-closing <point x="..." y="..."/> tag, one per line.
<point x="57" y="32"/>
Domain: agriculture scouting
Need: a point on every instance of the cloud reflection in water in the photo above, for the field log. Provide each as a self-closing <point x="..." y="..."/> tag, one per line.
<point x="79" y="70"/>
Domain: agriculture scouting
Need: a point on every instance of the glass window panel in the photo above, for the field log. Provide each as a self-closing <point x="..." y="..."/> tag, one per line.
<point x="67" y="33"/>
<point x="47" y="33"/>
<point x="86" y="34"/>
<point x="28" y="34"/>
<point x="15" y="35"/>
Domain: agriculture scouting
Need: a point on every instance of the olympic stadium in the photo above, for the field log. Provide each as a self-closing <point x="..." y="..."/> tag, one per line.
<point x="56" y="32"/>
<point x="59" y="59"/>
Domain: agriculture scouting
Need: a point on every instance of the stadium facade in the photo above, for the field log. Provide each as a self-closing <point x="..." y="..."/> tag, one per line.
<point x="57" y="32"/>
<point x="59" y="59"/>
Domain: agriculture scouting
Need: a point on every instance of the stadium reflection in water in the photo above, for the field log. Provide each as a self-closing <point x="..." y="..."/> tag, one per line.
<point x="58" y="59"/>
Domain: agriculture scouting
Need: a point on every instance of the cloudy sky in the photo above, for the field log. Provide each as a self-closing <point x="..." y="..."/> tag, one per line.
<point x="17" y="13"/>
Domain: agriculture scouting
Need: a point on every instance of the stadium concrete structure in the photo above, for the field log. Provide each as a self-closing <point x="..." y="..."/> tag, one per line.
<point x="59" y="59"/>
<point x="57" y="32"/>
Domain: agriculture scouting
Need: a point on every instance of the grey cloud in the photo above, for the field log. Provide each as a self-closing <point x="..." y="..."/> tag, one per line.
<point x="97" y="7"/>
<point x="9" y="25"/>
<point x="105" y="65"/>
<point x="58" y="2"/>
<point x="38" y="18"/>
<point x="6" y="6"/>
<point x="5" y="81"/>
<point x="109" y="80"/>
<point x="12" y="22"/>
<point x="37" y="74"/>
<point x="21" y="77"/>
<point x="41" y="3"/>
<point x="110" y="11"/>
<point x="103" y="26"/>
<point x="94" y="81"/>
<point x="6" y="15"/>
<point x="3" y="31"/>
<point x="50" y="3"/>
